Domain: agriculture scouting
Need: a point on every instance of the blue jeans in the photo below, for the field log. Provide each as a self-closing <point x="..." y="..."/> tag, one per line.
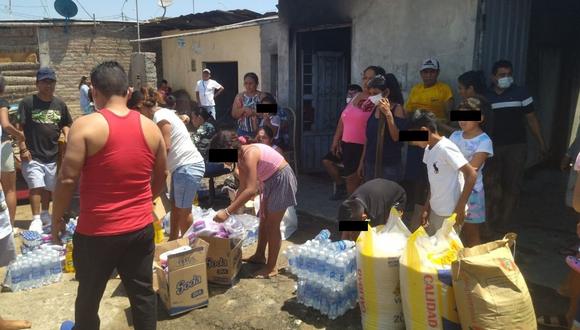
<point x="210" y="109"/>
<point x="185" y="182"/>
<point x="215" y="169"/>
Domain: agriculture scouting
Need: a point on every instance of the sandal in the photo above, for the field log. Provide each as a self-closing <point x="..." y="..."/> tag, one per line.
<point x="553" y="321"/>
<point x="571" y="250"/>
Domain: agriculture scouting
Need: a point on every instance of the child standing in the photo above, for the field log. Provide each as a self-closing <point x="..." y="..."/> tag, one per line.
<point x="476" y="146"/>
<point x="451" y="177"/>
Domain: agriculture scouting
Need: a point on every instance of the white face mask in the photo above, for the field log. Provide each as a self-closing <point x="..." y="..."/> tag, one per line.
<point x="348" y="99"/>
<point x="375" y="98"/>
<point x="505" y="82"/>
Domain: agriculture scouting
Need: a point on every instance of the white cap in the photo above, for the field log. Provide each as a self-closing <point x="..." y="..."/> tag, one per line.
<point x="430" y="63"/>
<point x="206" y="70"/>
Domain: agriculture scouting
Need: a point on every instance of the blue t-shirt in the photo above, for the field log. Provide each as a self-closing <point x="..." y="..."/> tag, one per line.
<point x="469" y="147"/>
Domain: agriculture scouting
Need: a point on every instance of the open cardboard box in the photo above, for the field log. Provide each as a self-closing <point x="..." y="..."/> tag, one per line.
<point x="184" y="286"/>
<point x="224" y="259"/>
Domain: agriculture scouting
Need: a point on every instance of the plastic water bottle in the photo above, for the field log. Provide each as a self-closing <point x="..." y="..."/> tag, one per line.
<point x="36" y="272"/>
<point x="323" y="236"/>
<point x="55" y="268"/>
<point x="44" y="270"/>
<point x="342" y="245"/>
<point x="16" y="276"/>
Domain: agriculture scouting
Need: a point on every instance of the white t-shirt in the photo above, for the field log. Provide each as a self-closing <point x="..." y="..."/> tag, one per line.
<point x="275" y="120"/>
<point x="446" y="181"/>
<point x="469" y="147"/>
<point x="182" y="151"/>
<point x="5" y="226"/>
<point x="84" y="98"/>
<point x="206" y="89"/>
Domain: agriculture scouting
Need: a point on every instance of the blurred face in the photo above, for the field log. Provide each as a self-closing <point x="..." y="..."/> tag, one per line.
<point x="366" y="77"/>
<point x="469" y="126"/>
<point x="205" y="76"/>
<point x="429" y="77"/>
<point x="250" y="85"/>
<point x="262" y="137"/>
<point x="46" y="87"/>
<point x="374" y="91"/>
<point x="466" y="92"/>
<point x="420" y="144"/>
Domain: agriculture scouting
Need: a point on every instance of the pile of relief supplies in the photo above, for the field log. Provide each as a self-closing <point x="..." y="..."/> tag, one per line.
<point x="410" y="280"/>
<point x="40" y="262"/>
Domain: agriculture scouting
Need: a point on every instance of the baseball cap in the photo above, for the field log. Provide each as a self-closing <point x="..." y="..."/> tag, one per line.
<point x="45" y="73"/>
<point x="430" y="63"/>
<point x="206" y="70"/>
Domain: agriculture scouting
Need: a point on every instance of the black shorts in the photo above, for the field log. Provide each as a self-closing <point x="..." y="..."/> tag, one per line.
<point x="335" y="159"/>
<point x="351" y="156"/>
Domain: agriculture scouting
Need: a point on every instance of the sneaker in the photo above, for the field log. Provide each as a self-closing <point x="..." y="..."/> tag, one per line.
<point x="46" y="219"/>
<point x="574" y="263"/>
<point x="67" y="325"/>
<point x="36" y="225"/>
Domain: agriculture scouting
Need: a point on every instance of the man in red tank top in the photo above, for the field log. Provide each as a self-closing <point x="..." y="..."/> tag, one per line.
<point x="121" y="156"/>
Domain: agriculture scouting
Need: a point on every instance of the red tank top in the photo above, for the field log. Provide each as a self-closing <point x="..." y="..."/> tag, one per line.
<point x="115" y="184"/>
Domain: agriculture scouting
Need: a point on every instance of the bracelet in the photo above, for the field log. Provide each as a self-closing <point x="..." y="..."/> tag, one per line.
<point x="227" y="212"/>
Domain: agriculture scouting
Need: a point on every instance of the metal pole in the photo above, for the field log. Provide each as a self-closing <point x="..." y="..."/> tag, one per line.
<point x="138" y="29"/>
<point x="193" y="4"/>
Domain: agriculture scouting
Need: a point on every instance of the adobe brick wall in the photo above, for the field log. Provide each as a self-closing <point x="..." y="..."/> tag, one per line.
<point x="75" y="53"/>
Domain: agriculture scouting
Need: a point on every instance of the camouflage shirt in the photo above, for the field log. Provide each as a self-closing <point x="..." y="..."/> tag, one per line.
<point x="202" y="138"/>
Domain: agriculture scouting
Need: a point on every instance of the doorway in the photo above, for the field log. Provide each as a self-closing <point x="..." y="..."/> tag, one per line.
<point x="225" y="73"/>
<point x="323" y="72"/>
<point x="553" y="72"/>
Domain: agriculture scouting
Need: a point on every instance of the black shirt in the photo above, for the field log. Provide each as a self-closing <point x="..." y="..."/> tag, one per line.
<point x="377" y="196"/>
<point x="507" y="124"/>
<point x="43" y="122"/>
<point x="4" y="104"/>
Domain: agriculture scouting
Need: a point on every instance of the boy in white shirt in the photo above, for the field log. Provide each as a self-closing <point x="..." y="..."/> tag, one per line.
<point x="451" y="177"/>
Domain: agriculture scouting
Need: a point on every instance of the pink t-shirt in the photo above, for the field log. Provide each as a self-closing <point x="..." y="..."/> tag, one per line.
<point x="354" y="122"/>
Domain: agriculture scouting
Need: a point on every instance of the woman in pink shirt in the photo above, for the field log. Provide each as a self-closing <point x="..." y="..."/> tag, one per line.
<point x="260" y="165"/>
<point x="349" y="138"/>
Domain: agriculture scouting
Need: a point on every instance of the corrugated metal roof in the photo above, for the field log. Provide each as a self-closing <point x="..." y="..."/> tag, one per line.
<point x="202" y="20"/>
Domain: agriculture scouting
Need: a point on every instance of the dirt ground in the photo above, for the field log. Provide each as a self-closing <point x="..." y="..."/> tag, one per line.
<point x="251" y="303"/>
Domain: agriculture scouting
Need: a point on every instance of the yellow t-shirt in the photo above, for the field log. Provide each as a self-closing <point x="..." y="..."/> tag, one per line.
<point x="433" y="98"/>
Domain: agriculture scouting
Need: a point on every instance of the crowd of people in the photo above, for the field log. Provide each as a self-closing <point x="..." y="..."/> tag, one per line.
<point x="471" y="168"/>
<point x="128" y="141"/>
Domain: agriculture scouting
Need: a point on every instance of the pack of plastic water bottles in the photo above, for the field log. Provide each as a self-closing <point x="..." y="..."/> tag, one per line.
<point x="37" y="268"/>
<point x="326" y="274"/>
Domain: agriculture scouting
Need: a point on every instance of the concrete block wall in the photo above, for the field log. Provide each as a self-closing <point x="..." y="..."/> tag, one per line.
<point x="74" y="53"/>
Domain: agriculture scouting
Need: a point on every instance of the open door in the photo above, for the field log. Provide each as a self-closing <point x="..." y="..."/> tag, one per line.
<point x="225" y="73"/>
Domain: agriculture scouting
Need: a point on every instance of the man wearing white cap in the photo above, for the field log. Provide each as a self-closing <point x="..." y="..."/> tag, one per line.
<point x="206" y="91"/>
<point x="431" y="95"/>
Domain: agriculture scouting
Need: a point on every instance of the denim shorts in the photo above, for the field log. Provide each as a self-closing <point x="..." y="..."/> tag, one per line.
<point x="185" y="182"/>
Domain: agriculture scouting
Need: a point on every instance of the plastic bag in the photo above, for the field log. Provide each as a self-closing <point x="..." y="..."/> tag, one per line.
<point x="425" y="273"/>
<point x="289" y="223"/>
<point x="378" y="253"/>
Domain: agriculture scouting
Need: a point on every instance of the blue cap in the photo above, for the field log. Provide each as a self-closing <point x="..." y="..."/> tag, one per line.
<point x="45" y="73"/>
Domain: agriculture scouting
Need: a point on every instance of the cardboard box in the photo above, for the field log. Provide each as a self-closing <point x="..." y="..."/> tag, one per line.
<point x="224" y="260"/>
<point x="184" y="286"/>
<point x="161" y="205"/>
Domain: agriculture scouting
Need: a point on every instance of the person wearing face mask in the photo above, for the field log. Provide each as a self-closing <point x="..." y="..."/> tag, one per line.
<point x="512" y="106"/>
<point x="333" y="162"/>
<point x="387" y="101"/>
<point x="349" y="137"/>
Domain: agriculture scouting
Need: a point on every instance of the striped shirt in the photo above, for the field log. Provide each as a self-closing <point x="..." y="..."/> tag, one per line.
<point x="507" y="124"/>
<point x="246" y="123"/>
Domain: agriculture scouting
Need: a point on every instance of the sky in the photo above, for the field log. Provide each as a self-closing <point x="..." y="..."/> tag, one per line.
<point x="125" y="9"/>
